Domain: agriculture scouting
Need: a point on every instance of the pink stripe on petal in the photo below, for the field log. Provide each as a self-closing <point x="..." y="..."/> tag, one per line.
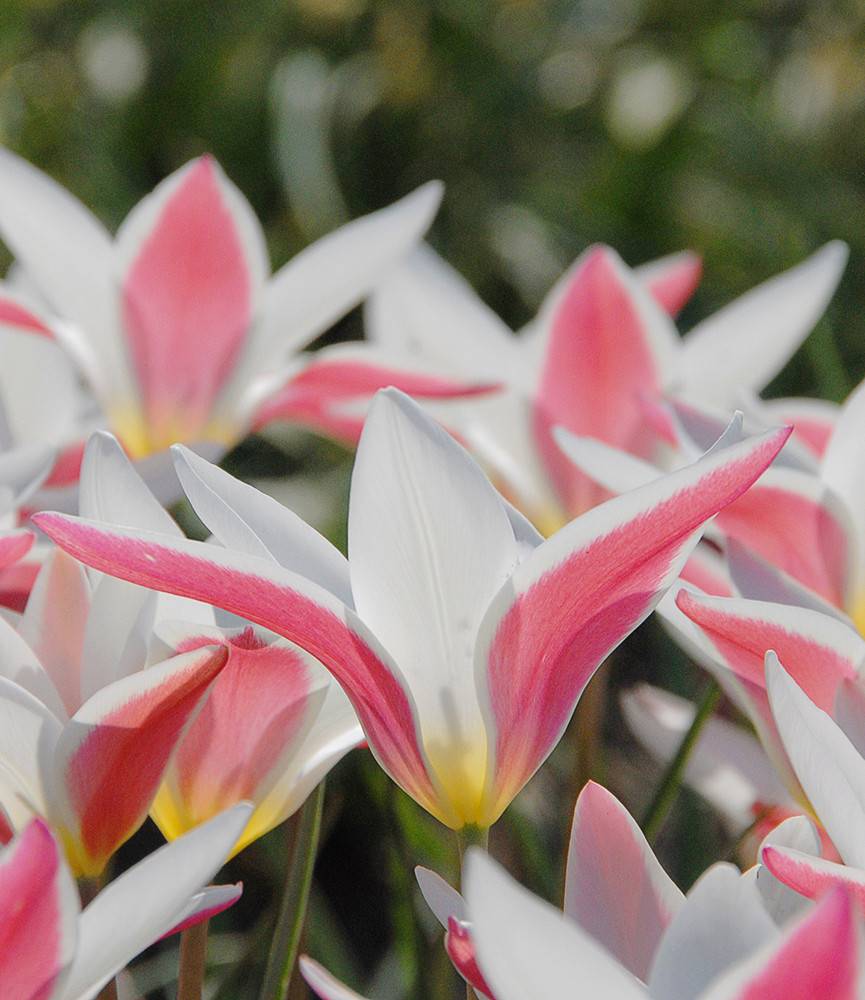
<point x="313" y="396"/>
<point x="34" y="907"/>
<point x="577" y="596"/>
<point x="599" y="361"/>
<point x="187" y="304"/>
<point x="276" y="599"/>
<point x="743" y="631"/>
<point x="795" y="533"/>
<point x="615" y="888"/>
<point x="256" y="709"/>
<point x="13" y="314"/>
<point x="819" y="958"/>
<point x="113" y="765"/>
<point x="210" y="902"/>
<point x="461" y="951"/>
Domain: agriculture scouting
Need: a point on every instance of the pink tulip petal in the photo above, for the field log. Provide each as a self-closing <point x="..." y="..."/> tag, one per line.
<point x="578" y="595"/>
<point x="461" y="951"/>
<point x="811" y="876"/>
<point x="38" y="914"/>
<point x="328" y="395"/>
<point x="113" y="754"/>
<point x="792" y="522"/>
<point x="187" y="296"/>
<point x="237" y="746"/>
<point x="14" y="545"/>
<point x="323" y="984"/>
<point x="263" y="593"/>
<point x="14" y="314"/>
<point x="818" y="651"/>
<point x="67" y="468"/>
<point x="615" y="887"/>
<point x="672" y="280"/>
<point x="606" y="349"/>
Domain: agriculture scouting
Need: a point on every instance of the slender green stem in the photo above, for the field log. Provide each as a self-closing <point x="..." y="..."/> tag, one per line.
<point x="472" y="836"/>
<point x="292" y="911"/>
<point x="668" y="788"/>
<point x="193" y="961"/>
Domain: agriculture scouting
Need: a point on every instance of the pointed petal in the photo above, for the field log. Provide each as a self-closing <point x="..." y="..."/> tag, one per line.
<point x="745" y="344"/>
<point x="19" y="314"/>
<point x="246" y="520"/>
<point x="143" y="903"/>
<point x="264" y="593"/>
<point x="20" y="664"/>
<point x="671" y="280"/>
<point x="194" y="265"/>
<point x="814" y="419"/>
<point x="818" y="651"/>
<point x="526" y="948"/>
<point x="208" y="903"/>
<point x="782" y="902"/>
<point x="442" y="899"/>
<point x="810" y="875"/>
<point x="323" y="984"/>
<point x="461" y="951"/>
<point x="54" y="621"/>
<point x="38" y="914"/>
<point x="721" y="922"/>
<point x="615" y="887"/>
<point x="430" y="544"/>
<point x="820" y="957"/>
<point x="830" y="769"/>
<point x="14" y="545"/>
<point x="577" y="596"/>
<point x="131" y="728"/>
<point x="609" y="344"/>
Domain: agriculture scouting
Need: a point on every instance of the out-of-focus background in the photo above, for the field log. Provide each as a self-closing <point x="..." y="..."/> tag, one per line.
<point x="736" y="129"/>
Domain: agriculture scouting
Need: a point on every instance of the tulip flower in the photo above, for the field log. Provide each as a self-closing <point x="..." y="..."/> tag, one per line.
<point x="176" y="324"/>
<point x="272" y="727"/>
<point x="52" y="950"/>
<point x="77" y="707"/>
<point x="600" y="350"/>
<point x="461" y="638"/>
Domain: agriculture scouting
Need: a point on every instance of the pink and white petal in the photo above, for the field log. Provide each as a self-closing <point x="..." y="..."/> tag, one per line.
<point x="18" y="313"/>
<point x="577" y="596"/>
<point x="813" y="420"/>
<point x="194" y="265"/>
<point x="14" y="545"/>
<point x="829" y="767"/>
<point x="332" y="392"/>
<point x="208" y="903"/>
<point x="610" y="344"/>
<point x="810" y="875"/>
<point x="821" y="956"/>
<point x="615" y="887"/>
<point x="817" y="650"/>
<point x="318" y="286"/>
<point x="54" y="621"/>
<point x="323" y="984"/>
<point x="746" y="343"/>
<point x="145" y="902"/>
<point x="758" y="580"/>
<point x="671" y="280"/>
<point x="526" y="948"/>
<point x="461" y="951"/>
<point x="266" y="594"/>
<point x="440" y="896"/>
<point x="794" y="521"/>
<point x="20" y="664"/>
<point x="247" y="520"/>
<point x="426" y="310"/>
<point x="66" y="251"/>
<point x="707" y="571"/>
<point x="131" y="727"/>
<point x="248" y="731"/>
<point x="721" y="922"/>
<point x="782" y="902"/>
<point x="38" y="915"/>
<point x="430" y="544"/>
<point x="728" y="767"/>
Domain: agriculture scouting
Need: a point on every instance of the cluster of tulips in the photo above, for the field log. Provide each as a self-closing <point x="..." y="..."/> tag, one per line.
<point x="520" y="503"/>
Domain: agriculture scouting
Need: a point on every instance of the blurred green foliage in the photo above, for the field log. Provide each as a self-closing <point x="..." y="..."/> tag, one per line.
<point x="731" y="128"/>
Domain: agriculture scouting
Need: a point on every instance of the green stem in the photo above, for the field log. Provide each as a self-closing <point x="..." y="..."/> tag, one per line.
<point x="193" y="961"/>
<point x="472" y="836"/>
<point x="667" y="790"/>
<point x="292" y="911"/>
